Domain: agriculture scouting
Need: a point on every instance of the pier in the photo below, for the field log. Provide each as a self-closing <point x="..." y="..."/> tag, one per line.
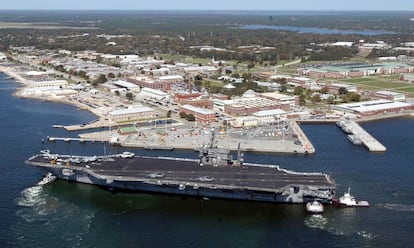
<point x="351" y="127"/>
<point x="69" y="139"/>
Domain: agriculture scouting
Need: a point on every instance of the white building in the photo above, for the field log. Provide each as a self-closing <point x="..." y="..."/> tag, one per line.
<point x="2" y="56"/>
<point x="269" y="116"/>
<point x="373" y="107"/>
<point x="343" y="43"/>
<point x="155" y="94"/>
<point x="132" y="114"/>
<point x="126" y="85"/>
<point x="171" y="79"/>
<point x="53" y="91"/>
<point x="389" y="95"/>
<point x="244" y="121"/>
<point x="52" y="83"/>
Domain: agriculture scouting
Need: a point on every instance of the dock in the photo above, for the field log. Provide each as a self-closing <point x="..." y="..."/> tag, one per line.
<point x="351" y="127"/>
<point x="307" y="145"/>
<point x="69" y="139"/>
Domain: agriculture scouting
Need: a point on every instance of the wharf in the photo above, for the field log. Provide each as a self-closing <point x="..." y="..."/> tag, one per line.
<point x="367" y="140"/>
<point x="69" y="139"/>
<point x="309" y="148"/>
<point x="182" y="138"/>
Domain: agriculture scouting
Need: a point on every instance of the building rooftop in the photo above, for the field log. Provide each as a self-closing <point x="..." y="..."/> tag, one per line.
<point x="125" y="84"/>
<point x="154" y="91"/>
<point x="376" y="105"/>
<point x="389" y="93"/>
<point x="134" y="110"/>
<point x="269" y="112"/>
<point x="198" y="110"/>
<point x="171" y="77"/>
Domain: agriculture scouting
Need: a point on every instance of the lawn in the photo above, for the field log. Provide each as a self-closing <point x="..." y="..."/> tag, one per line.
<point x="359" y="80"/>
<point x="408" y="89"/>
<point x="384" y="84"/>
<point x="213" y="83"/>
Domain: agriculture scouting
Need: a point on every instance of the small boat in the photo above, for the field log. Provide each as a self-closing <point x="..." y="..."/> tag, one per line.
<point x="127" y="155"/>
<point x="49" y="178"/>
<point x="354" y="139"/>
<point x="314" y="207"/>
<point x="68" y="172"/>
<point x="347" y="200"/>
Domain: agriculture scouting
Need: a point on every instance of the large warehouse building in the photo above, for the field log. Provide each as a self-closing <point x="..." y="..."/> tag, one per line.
<point x="373" y="107"/>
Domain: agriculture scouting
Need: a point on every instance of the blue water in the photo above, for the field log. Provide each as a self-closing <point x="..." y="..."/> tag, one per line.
<point x="75" y="215"/>
<point x="317" y="30"/>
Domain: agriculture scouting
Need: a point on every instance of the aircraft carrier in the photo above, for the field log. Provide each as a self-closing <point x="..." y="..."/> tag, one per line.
<point x="215" y="174"/>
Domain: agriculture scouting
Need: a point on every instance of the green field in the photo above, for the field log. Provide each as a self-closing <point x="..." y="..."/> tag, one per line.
<point x="213" y="83"/>
<point x="384" y="84"/>
<point x="389" y="77"/>
<point x="408" y="89"/>
<point x="359" y="80"/>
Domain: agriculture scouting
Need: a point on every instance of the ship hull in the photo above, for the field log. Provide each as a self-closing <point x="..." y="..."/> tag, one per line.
<point x="183" y="177"/>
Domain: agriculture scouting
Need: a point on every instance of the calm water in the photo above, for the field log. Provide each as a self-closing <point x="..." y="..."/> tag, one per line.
<point x="317" y="30"/>
<point x="74" y="215"/>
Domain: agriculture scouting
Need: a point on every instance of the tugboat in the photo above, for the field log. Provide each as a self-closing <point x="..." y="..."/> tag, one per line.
<point x="314" y="207"/>
<point x="347" y="200"/>
<point x="49" y="178"/>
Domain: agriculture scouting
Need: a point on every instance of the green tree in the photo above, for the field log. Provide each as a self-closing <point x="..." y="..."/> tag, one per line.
<point x="190" y="117"/>
<point x="129" y="96"/>
<point x="353" y="97"/>
<point x="183" y="115"/>
<point x="100" y="80"/>
<point x="330" y="100"/>
<point x="111" y="75"/>
<point x="298" y="90"/>
<point x="342" y="91"/>
<point x="302" y="100"/>
<point x="316" y="98"/>
<point x="324" y="90"/>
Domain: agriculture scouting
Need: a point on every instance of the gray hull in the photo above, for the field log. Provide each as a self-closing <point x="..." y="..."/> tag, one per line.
<point x="255" y="183"/>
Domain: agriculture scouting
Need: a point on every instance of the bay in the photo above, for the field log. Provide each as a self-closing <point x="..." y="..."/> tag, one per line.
<point x="315" y="30"/>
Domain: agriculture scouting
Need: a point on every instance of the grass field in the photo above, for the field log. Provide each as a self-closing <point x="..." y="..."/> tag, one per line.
<point x="408" y="90"/>
<point x="214" y="83"/>
<point x="385" y="84"/>
<point x="359" y="80"/>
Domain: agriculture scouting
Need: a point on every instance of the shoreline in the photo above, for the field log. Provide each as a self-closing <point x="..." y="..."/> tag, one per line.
<point x="248" y="145"/>
<point x="25" y="82"/>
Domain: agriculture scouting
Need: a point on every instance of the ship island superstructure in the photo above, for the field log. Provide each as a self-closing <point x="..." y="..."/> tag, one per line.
<point x="215" y="174"/>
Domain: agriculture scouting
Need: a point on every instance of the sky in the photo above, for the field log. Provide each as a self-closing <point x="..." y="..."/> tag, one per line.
<point x="210" y="4"/>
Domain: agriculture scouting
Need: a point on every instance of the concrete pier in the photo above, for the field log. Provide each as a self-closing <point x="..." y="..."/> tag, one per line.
<point x="67" y="139"/>
<point x="291" y="140"/>
<point x="367" y="140"/>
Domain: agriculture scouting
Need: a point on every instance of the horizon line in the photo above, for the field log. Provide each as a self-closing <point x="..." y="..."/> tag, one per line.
<point x="218" y="10"/>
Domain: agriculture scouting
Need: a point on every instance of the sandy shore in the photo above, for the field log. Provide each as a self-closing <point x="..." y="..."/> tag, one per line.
<point x="14" y="74"/>
<point x="11" y="72"/>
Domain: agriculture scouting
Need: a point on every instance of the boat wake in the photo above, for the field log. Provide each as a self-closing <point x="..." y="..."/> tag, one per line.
<point x="31" y="197"/>
<point x="397" y="207"/>
<point x="45" y="220"/>
<point x="366" y="235"/>
<point x="317" y="221"/>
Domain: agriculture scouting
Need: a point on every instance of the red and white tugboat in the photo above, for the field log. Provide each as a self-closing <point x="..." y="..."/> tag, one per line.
<point x="347" y="200"/>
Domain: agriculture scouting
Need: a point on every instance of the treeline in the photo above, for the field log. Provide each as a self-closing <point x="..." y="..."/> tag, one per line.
<point x="174" y="33"/>
<point x="333" y="53"/>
